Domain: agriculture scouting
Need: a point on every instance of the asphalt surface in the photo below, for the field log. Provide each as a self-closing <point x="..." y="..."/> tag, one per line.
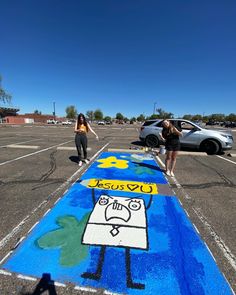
<point x="34" y="175"/>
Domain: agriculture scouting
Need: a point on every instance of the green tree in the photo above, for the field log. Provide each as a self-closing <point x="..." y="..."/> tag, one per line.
<point x="188" y="117"/>
<point x="71" y="112"/>
<point x="98" y="115"/>
<point x="153" y="117"/>
<point x="197" y="117"/>
<point x="107" y="119"/>
<point x="119" y="116"/>
<point x="141" y="118"/>
<point x="90" y="115"/>
<point x="164" y="115"/>
<point x="205" y="119"/>
<point x="37" y="112"/>
<point x="217" y="117"/>
<point x="5" y="97"/>
<point x="231" y="117"/>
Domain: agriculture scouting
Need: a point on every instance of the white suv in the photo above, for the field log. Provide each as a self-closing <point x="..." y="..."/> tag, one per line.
<point x="194" y="136"/>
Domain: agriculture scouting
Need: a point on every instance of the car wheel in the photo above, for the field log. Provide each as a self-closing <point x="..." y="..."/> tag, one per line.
<point x="211" y="147"/>
<point x="152" y="141"/>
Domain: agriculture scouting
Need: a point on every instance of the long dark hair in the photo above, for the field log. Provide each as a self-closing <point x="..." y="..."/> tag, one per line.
<point x="79" y="122"/>
<point x="167" y="130"/>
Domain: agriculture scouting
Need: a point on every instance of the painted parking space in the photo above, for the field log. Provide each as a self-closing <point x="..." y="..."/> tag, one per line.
<point x="120" y="228"/>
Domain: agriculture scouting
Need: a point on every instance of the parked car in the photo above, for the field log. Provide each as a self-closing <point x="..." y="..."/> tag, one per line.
<point x="194" y="136"/>
<point x="230" y="124"/>
<point x="101" y="123"/>
<point x="66" y="123"/>
<point x="51" y="121"/>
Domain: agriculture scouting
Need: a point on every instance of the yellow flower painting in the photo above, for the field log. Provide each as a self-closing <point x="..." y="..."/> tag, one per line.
<point x="113" y="162"/>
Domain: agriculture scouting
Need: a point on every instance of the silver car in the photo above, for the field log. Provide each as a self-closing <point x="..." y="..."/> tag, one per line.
<point x="194" y="136"/>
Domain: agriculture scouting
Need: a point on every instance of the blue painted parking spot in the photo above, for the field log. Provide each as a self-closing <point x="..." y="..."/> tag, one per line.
<point x="114" y="230"/>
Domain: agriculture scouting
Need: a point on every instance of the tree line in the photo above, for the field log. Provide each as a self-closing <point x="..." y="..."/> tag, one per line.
<point x="97" y="115"/>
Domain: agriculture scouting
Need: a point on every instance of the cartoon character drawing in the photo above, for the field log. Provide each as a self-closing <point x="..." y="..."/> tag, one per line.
<point x="117" y="222"/>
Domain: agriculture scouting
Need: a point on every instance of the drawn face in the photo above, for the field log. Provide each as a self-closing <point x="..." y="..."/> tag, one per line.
<point x="118" y="210"/>
<point x="117" y="221"/>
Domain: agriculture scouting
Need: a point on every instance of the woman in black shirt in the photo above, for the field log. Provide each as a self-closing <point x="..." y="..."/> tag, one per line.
<point x="170" y="134"/>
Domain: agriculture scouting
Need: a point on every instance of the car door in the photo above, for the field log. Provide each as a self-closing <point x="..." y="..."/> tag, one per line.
<point x="157" y="129"/>
<point x="191" y="134"/>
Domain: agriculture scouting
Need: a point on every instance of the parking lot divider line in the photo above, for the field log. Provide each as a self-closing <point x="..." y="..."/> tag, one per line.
<point x="26" y="278"/>
<point x="5" y="273"/>
<point x="12" y="233"/>
<point x="31" y="154"/>
<point x="19" y="142"/>
<point x="227" y="160"/>
<point x="226" y="251"/>
<point x="17" y="146"/>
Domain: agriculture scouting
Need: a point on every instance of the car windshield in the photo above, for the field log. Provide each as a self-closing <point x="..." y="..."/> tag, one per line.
<point x="198" y="124"/>
<point x="147" y="123"/>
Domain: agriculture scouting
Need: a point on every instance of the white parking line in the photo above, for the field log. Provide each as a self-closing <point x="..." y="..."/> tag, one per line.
<point x="26" y="278"/>
<point x="70" y="148"/>
<point x="227" y="160"/>
<point x="85" y="289"/>
<point x="19" y="142"/>
<point x="31" y="154"/>
<point x="17" y="146"/>
<point x="226" y="251"/>
<point x="66" y="148"/>
<point x="73" y="177"/>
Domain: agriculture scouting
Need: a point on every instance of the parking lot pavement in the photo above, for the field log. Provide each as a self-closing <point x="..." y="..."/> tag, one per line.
<point x="32" y="182"/>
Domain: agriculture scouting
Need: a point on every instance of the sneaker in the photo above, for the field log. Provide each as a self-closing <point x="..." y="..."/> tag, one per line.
<point x="86" y="161"/>
<point x="172" y="174"/>
<point x="80" y="163"/>
<point x="168" y="173"/>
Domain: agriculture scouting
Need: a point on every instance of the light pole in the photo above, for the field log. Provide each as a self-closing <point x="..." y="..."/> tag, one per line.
<point x="54" y="110"/>
<point x="154" y="109"/>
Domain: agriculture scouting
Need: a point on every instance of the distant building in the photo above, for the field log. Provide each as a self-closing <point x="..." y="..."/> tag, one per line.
<point x="37" y="118"/>
<point x="9" y="115"/>
<point x="8" y="112"/>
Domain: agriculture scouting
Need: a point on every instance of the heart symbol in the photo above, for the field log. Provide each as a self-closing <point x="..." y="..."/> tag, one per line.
<point x="132" y="187"/>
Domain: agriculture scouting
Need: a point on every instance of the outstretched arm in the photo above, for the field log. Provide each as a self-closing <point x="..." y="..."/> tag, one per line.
<point x="176" y="131"/>
<point x="76" y="126"/>
<point x="90" y="128"/>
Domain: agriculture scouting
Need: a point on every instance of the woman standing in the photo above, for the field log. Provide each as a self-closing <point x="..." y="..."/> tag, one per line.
<point x="170" y="134"/>
<point x="82" y="127"/>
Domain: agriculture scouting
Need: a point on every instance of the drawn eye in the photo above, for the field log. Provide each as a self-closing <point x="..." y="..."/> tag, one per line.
<point x="134" y="205"/>
<point x="103" y="201"/>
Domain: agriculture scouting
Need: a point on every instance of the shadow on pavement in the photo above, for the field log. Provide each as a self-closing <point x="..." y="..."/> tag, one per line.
<point x="45" y="284"/>
<point x="74" y="159"/>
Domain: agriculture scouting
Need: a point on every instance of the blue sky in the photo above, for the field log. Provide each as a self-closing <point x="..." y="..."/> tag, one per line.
<point x="119" y="56"/>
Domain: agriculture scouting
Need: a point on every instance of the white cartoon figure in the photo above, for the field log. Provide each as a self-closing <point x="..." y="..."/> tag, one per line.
<point x="117" y="222"/>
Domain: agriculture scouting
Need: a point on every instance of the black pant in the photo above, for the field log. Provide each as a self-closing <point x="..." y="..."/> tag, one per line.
<point x="81" y="139"/>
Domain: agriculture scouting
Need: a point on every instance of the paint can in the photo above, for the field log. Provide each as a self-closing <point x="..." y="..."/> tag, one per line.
<point x="162" y="150"/>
